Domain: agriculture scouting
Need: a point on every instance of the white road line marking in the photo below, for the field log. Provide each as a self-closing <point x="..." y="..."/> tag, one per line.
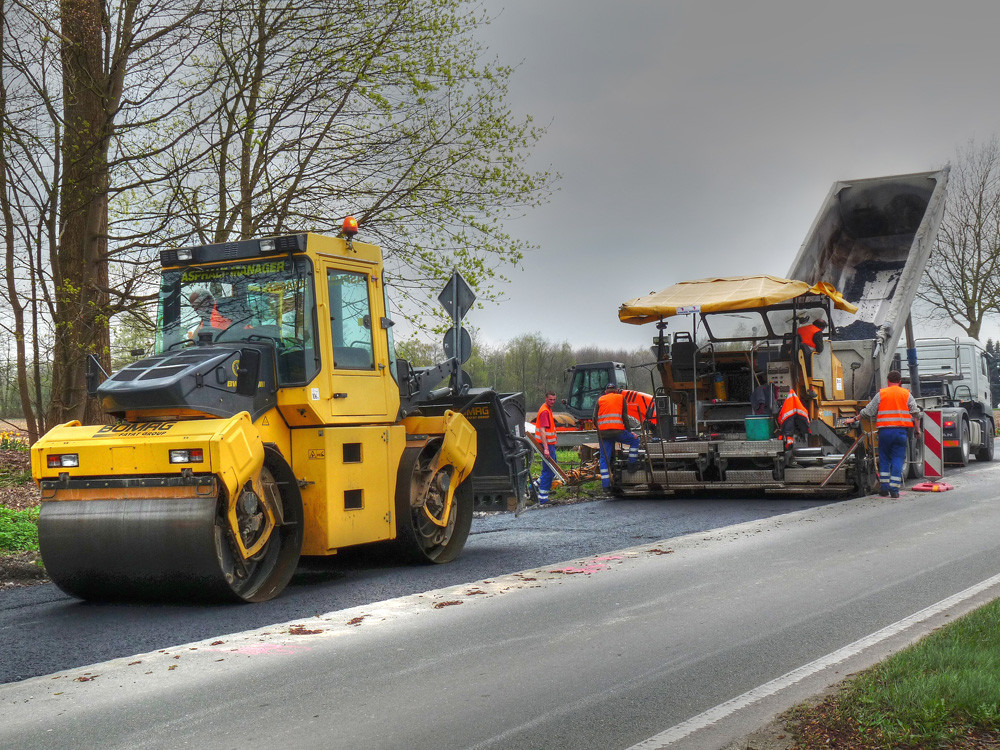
<point x="721" y="711"/>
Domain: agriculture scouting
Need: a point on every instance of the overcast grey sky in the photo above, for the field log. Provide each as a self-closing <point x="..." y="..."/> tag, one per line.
<point x="699" y="137"/>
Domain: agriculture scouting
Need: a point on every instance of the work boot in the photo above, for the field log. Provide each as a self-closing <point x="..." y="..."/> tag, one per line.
<point x="893" y="493"/>
<point x="883" y="492"/>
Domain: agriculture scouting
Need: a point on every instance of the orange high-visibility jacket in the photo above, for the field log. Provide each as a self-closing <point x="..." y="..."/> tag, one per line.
<point x="611" y="412"/>
<point x="793" y="405"/>
<point x="545" y="421"/>
<point x="638" y="405"/>
<point x="892" y="407"/>
<point x="218" y="319"/>
<point x="808" y="334"/>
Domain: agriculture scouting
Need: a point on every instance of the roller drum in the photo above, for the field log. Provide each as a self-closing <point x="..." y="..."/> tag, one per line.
<point x="148" y="549"/>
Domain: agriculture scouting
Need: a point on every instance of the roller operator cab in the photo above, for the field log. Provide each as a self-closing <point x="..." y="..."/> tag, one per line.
<point x="273" y="420"/>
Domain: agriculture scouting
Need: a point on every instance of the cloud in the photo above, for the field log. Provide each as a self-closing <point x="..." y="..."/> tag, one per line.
<point x="699" y="137"/>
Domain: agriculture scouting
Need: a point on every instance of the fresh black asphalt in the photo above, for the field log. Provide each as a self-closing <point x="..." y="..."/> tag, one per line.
<point x="45" y="631"/>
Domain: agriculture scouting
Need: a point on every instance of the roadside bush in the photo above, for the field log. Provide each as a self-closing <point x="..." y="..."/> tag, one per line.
<point x="18" y="530"/>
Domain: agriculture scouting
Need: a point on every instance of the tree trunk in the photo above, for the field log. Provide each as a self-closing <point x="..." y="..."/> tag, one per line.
<point x="10" y="248"/>
<point x="80" y="271"/>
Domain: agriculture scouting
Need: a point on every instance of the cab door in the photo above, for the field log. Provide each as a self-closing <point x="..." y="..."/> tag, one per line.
<point x="358" y="351"/>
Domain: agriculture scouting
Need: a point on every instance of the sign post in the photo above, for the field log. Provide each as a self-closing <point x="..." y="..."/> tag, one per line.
<point x="456" y="298"/>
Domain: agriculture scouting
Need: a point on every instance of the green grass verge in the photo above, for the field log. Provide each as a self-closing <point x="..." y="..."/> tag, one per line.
<point x="931" y="694"/>
<point x="568" y="459"/>
<point x="18" y="530"/>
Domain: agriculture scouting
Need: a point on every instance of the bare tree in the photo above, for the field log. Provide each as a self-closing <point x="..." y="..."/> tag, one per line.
<point x="131" y="125"/>
<point x="27" y="195"/>
<point x="961" y="282"/>
<point x="104" y="46"/>
<point x="89" y="87"/>
<point x="381" y="109"/>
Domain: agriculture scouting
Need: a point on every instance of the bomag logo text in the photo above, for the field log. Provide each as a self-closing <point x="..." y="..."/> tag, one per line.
<point x="477" y="412"/>
<point x="139" y="428"/>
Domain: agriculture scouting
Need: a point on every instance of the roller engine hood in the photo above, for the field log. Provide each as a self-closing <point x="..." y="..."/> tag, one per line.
<point x="200" y="378"/>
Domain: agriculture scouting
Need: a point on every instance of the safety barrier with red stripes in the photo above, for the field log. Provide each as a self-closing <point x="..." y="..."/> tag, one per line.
<point x="933" y="447"/>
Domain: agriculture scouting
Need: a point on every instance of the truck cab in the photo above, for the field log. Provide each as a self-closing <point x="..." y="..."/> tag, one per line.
<point x="954" y="376"/>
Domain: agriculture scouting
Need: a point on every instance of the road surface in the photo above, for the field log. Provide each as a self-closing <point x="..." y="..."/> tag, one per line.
<point x="642" y="647"/>
<point x="43" y="630"/>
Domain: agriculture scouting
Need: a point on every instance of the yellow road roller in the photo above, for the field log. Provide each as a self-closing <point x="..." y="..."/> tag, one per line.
<point x="272" y="420"/>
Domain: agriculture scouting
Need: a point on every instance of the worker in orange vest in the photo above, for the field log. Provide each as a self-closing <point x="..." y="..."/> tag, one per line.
<point x="545" y="436"/>
<point x="640" y="406"/>
<point x="811" y="339"/>
<point x="793" y="418"/>
<point x="895" y="411"/>
<point x="811" y="335"/>
<point x="611" y="419"/>
<point x="203" y="303"/>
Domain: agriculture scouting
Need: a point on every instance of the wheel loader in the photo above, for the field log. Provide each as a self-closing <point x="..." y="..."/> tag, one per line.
<point x="273" y="420"/>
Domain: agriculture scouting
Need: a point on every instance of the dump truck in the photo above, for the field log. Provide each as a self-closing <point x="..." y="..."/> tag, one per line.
<point x="952" y="376"/>
<point x="274" y="421"/>
<point x="724" y="378"/>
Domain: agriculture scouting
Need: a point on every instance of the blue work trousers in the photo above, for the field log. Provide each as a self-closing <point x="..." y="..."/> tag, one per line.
<point x="545" y="480"/>
<point x="608" y="453"/>
<point x="892" y="443"/>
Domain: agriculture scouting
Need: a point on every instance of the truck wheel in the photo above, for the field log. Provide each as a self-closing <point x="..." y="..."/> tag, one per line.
<point x="915" y="457"/>
<point x="964" y="442"/>
<point x="418" y="538"/>
<point x="985" y="453"/>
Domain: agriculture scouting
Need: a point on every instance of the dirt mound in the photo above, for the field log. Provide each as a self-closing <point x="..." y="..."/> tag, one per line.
<point x="14" y="461"/>
<point x="21" y="569"/>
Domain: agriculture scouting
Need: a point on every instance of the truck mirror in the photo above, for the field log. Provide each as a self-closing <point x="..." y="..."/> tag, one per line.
<point x="248" y="372"/>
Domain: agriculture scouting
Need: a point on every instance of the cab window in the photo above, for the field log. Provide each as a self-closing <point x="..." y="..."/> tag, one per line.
<point x="255" y="300"/>
<point x="586" y="388"/>
<point x="350" y="321"/>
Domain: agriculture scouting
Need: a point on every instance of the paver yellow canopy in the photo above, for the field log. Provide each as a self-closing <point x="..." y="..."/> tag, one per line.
<point x="724" y="295"/>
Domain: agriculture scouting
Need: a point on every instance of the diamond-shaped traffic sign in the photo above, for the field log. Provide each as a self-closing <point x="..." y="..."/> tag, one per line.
<point x="457" y="296"/>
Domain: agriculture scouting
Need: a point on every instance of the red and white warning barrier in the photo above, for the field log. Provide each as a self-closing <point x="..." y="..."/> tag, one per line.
<point x="933" y="449"/>
<point x="932" y="487"/>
